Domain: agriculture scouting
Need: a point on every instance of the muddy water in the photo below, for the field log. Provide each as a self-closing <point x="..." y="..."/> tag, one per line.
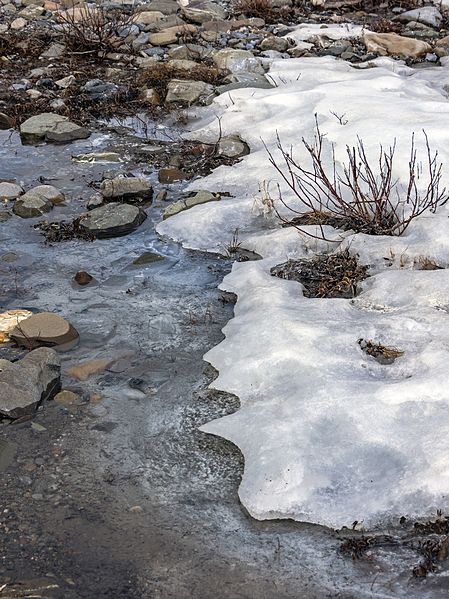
<point x="160" y="496"/>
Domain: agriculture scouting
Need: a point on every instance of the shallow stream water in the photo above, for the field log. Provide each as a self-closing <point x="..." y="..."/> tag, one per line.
<point x="158" y="320"/>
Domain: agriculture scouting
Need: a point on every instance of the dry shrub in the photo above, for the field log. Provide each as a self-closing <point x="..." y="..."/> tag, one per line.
<point x="95" y="29"/>
<point x="330" y="275"/>
<point x="159" y="76"/>
<point x="357" y="547"/>
<point x="358" y="195"/>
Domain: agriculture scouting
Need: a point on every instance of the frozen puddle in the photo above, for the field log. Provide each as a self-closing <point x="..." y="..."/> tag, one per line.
<point x="329" y="435"/>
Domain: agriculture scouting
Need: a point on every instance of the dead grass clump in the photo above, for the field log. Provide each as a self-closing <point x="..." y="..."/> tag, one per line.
<point x="373" y="5"/>
<point x="331" y="276"/>
<point x="381" y="353"/>
<point x="54" y="232"/>
<point x="360" y="195"/>
<point x="315" y="217"/>
<point x="440" y="526"/>
<point x="19" y="44"/>
<point x="95" y="29"/>
<point x="433" y="551"/>
<point x="384" y="25"/>
<point x="357" y="547"/>
<point x="429" y="539"/>
<point x="425" y="263"/>
<point x="159" y="76"/>
<point x="263" y="9"/>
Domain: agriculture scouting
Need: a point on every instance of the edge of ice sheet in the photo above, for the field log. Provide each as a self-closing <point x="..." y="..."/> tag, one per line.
<point x="329" y="435"/>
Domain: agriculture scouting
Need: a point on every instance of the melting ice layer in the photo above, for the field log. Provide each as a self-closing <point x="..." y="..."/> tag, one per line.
<point x="328" y="434"/>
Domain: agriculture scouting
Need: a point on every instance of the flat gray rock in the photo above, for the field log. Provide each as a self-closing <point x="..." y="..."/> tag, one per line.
<point x="232" y="146"/>
<point x="30" y="205"/>
<point x="51" y="127"/>
<point x="24" y="384"/>
<point x="127" y="188"/>
<point x="167" y="7"/>
<point x="197" y="198"/>
<point x="9" y="191"/>
<point x="113" y="220"/>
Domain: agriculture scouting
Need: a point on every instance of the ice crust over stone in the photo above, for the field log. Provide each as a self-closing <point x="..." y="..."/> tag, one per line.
<point x="328" y="434"/>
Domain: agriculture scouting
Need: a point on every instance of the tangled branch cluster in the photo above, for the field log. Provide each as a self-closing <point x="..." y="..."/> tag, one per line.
<point x="357" y="195"/>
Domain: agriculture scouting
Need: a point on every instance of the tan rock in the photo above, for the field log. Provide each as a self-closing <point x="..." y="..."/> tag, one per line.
<point x="87" y="369"/>
<point x="150" y="96"/>
<point x="182" y="64"/>
<point x="18" y="23"/>
<point x="48" y="192"/>
<point x="66" y="398"/>
<point x="444" y="41"/>
<point x="392" y="44"/>
<point x="171" y="35"/>
<point x="83" y="278"/>
<point x="146" y="63"/>
<point x="45" y="328"/>
<point x="147" y="17"/>
<point x="79" y="14"/>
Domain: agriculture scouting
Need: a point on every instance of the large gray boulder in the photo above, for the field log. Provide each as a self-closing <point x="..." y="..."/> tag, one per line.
<point x="113" y="220"/>
<point x="30" y="205"/>
<point x="187" y="92"/>
<point x="127" y="189"/>
<point x="51" y="127"/>
<point x="48" y="192"/>
<point x="24" y="384"/>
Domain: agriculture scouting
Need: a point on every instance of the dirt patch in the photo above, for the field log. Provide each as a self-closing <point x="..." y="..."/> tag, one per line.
<point x="331" y="276"/>
<point x="381" y="353"/>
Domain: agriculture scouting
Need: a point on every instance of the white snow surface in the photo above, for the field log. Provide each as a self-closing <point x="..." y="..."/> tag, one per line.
<point x="311" y="31"/>
<point x="328" y="434"/>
